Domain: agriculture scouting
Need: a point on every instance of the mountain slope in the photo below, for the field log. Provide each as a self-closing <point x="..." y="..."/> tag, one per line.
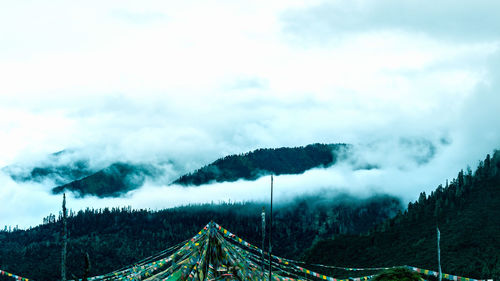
<point x="467" y="212"/>
<point x="70" y="171"/>
<point x="260" y="162"/>
<point x="113" y="181"/>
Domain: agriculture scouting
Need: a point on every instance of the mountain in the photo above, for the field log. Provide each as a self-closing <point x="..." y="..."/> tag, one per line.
<point x="71" y="171"/>
<point x="118" y="237"/>
<point x="467" y="212"/>
<point x="119" y="178"/>
<point x="61" y="167"/>
<point x="112" y="181"/>
<point x="261" y="162"/>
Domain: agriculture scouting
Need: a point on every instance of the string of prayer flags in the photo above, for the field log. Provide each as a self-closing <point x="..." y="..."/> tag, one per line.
<point x="8" y="274"/>
<point x="215" y="253"/>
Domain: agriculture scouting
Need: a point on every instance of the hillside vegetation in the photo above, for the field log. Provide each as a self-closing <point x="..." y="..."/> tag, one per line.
<point x="467" y="211"/>
<point x="119" y="178"/>
<point x="261" y="162"/>
<point x="113" y="181"/>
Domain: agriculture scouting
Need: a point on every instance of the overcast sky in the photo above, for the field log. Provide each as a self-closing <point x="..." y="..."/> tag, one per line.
<point x="190" y="81"/>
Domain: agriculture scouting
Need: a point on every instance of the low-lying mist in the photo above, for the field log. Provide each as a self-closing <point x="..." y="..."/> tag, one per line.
<point x="401" y="168"/>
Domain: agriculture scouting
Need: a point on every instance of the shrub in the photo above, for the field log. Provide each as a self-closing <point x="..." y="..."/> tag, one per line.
<point x="400" y="274"/>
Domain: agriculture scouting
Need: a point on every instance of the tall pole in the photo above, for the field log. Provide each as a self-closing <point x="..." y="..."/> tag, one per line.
<point x="263" y="236"/>
<point x="439" y="254"/>
<point x="87" y="267"/>
<point x="64" y="240"/>
<point x="271" y="232"/>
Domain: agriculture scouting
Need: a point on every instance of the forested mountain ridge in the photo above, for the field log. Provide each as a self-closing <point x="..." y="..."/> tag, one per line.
<point x="118" y="237"/>
<point x="118" y="178"/>
<point x="74" y="173"/>
<point x="113" y="181"/>
<point x="265" y="161"/>
<point x="55" y="167"/>
<point x="467" y="211"/>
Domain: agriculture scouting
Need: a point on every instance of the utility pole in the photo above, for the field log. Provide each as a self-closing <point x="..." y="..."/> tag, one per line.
<point x="263" y="236"/>
<point x="87" y="267"/>
<point x="439" y="254"/>
<point x="64" y="240"/>
<point x="271" y="233"/>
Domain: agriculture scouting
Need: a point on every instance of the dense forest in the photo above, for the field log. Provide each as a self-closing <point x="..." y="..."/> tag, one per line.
<point x="260" y="162"/>
<point x="467" y="212"/>
<point x="117" y="237"/>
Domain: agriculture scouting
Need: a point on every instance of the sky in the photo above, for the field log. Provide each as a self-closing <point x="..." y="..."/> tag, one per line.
<point x="414" y="85"/>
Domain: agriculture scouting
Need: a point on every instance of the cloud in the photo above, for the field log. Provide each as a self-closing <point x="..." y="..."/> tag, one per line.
<point x="383" y="167"/>
<point x="446" y="20"/>
<point x="32" y="200"/>
<point x="144" y="17"/>
<point x="416" y="86"/>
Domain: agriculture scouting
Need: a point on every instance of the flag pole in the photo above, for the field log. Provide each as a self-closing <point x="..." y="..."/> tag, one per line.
<point x="439" y="254"/>
<point x="271" y="232"/>
<point x="64" y="239"/>
<point x="263" y="237"/>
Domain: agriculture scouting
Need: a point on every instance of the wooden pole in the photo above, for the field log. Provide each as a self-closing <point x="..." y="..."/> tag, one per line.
<point x="439" y="254"/>
<point x="64" y="240"/>
<point x="87" y="267"/>
<point x="263" y="236"/>
<point x="271" y="232"/>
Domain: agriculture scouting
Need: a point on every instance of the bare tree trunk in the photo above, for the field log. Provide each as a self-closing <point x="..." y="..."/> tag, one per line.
<point x="64" y="240"/>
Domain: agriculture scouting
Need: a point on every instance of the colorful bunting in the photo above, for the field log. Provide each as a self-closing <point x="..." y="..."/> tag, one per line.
<point x="215" y="253"/>
<point x="445" y="275"/>
<point x="5" y="273"/>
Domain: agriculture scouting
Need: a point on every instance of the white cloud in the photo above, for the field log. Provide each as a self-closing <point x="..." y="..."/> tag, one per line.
<point x="397" y="173"/>
<point x="194" y="81"/>
<point x="324" y="21"/>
